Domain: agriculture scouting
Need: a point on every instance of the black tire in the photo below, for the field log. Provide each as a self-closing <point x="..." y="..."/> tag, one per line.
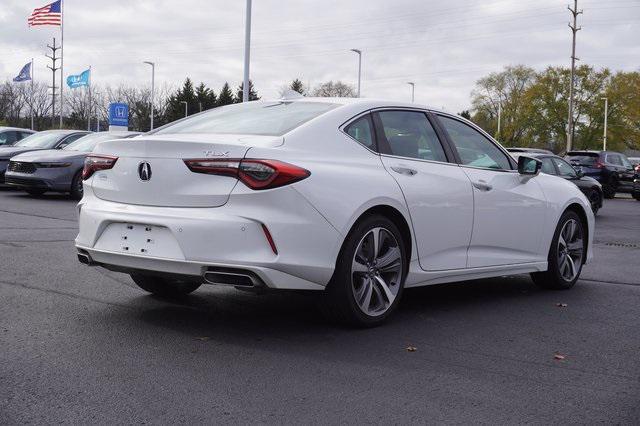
<point x="339" y="301"/>
<point x="595" y="199"/>
<point x="553" y="278"/>
<point x="636" y="195"/>
<point x="165" y="287"/>
<point x="35" y="191"/>
<point x="76" y="186"/>
<point x="609" y="191"/>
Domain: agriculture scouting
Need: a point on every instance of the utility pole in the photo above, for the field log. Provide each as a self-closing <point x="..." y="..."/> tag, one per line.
<point x="606" y="110"/>
<point x="574" y="29"/>
<point x="53" y="68"/>
<point x="247" y="46"/>
<point x="413" y="90"/>
<point x="359" y="52"/>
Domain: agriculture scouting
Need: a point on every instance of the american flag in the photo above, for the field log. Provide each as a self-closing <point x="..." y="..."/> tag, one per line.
<point x="50" y="14"/>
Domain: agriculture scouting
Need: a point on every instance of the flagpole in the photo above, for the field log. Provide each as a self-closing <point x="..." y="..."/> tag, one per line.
<point x="32" y="93"/>
<point x="61" y="59"/>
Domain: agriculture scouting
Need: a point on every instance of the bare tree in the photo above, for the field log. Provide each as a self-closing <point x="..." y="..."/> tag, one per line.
<point x="335" y="89"/>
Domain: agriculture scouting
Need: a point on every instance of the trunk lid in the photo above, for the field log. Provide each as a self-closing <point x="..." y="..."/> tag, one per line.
<point x="170" y="182"/>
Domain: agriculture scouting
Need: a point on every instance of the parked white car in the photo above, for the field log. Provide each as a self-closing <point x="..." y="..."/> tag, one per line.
<point x="354" y="197"/>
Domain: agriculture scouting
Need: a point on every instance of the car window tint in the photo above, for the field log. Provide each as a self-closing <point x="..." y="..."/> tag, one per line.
<point x="474" y="149"/>
<point x="547" y="167"/>
<point x="8" y="137"/>
<point x="362" y="131"/>
<point x="564" y="168"/>
<point x="625" y="161"/>
<point x="23" y="135"/>
<point x="409" y="134"/>
<point x="582" y="159"/>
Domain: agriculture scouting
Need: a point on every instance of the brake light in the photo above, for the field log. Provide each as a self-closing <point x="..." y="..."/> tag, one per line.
<point x="94" y="163"/>
<point x="255" y="173"/>
<point x="598" y="165"/>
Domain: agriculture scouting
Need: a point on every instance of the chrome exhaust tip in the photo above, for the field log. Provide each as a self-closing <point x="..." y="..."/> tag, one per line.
<point x="85" y="259"/>
<point x="234" y="278"/>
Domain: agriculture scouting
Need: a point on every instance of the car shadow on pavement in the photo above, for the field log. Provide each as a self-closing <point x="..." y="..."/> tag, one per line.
<point x="242" y="318"/>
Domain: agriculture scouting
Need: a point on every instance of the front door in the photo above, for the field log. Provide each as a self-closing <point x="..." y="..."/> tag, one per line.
<point x="509" y="209"/>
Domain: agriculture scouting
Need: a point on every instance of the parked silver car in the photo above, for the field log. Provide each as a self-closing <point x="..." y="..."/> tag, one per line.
<point x="11" y="135"/>
<point x="58" y="170"/>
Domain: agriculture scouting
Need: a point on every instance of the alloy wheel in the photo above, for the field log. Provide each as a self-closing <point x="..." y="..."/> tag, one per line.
<point x="570" y="250"/>
<point x="376" y="271"/>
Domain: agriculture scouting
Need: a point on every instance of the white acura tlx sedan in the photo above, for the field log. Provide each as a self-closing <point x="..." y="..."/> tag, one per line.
<point x="356" y="198"/>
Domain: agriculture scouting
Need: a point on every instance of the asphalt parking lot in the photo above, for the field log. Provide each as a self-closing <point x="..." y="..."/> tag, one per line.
<point x="84" y="345"/>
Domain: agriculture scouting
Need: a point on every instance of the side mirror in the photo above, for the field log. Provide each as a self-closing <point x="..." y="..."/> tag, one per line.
<point x="529" y="166"/>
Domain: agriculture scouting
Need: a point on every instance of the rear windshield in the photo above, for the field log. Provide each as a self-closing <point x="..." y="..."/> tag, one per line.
<point x="583" y="159"/>
<point x="252" y="118"/>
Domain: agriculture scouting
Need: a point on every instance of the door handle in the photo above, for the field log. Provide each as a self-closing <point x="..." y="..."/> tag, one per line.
<point x="404" y="170"/>
<point x="482" y="185"/>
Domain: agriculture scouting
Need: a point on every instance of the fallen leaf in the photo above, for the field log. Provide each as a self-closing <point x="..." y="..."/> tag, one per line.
<point x="411" y="348"/>
<point x="203" y="338"/>
<point x="561" y="305"/>
<point x="558" y="357"/>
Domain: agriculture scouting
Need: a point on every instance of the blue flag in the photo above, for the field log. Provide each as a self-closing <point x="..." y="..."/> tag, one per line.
<point x="25" y="73"/>
<point x="79" y="80"/>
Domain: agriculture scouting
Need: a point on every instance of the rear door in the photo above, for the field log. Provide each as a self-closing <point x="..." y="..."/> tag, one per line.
<point x="509" y="210"/>
<point x="437" y="192"/>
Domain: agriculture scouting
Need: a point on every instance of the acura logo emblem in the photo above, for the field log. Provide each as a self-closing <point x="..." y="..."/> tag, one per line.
<point x="144" y="171"/>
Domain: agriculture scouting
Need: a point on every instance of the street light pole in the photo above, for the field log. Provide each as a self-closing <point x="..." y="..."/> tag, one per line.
<point x="413" y="88"/>
<point x="359" y="52"/>
<point x="606" y="110"/>
<point x="247" y="46"/>
<point x="499" y="119"/>
<point x="153" y="78"/>
<point x="185" y="108"/>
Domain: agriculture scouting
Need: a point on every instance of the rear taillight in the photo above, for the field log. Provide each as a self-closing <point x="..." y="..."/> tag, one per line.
<point x="598" y="165"/>
<point x="255" y="173"/>
<point x="94" y="163"/>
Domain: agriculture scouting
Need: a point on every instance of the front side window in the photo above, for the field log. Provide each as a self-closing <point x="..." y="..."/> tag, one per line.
<point x="251" y="118"/>
<point x="362" y="131"/>
<point x="473" y="147"/>
<point x="547" y="166"/>
<point x="565" y="169"/>
<point x="409" y="134"/>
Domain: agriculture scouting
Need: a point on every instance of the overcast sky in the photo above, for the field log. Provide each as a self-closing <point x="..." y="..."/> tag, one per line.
<point x="443" y="46"/>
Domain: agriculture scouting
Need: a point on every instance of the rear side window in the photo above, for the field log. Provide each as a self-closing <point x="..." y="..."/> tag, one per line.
<point x="362" y="131"/>
<point x="614" y="159"/>
<point x="409" y="134"/>
<point x="473" y="147"/>
<point x="582" y="159"/>
<point x="251" y="118"/>
<point x="7" y="137"/>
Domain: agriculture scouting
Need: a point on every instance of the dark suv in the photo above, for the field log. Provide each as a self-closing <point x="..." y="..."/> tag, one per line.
<point x="612" y="169"/>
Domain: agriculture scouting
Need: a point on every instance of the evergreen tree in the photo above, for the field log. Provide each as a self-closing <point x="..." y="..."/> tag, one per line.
<point x="205" y="97"/>
<point x="465" y="114"/>
<point x="298" y="86"/>
<point x="253" y="95"/>
<point x="175" y="105"/>
<point x="226" y="96"/>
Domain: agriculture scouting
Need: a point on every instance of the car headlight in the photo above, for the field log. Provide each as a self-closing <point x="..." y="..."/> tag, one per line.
<point x="51" y="165"/>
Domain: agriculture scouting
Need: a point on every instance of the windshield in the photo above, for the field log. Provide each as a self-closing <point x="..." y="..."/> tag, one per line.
<point x="41" y="140"/>
<point x="87" y="143"/>
<point x="252" y="118"/>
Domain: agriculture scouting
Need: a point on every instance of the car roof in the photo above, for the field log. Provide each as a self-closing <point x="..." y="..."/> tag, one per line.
<point x="365" y="102"/>
<point x="65" y="131"/>
<point x="20" y="129"/>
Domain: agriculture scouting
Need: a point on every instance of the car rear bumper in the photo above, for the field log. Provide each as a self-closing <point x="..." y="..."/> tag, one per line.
<point x="194" y="241"/>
